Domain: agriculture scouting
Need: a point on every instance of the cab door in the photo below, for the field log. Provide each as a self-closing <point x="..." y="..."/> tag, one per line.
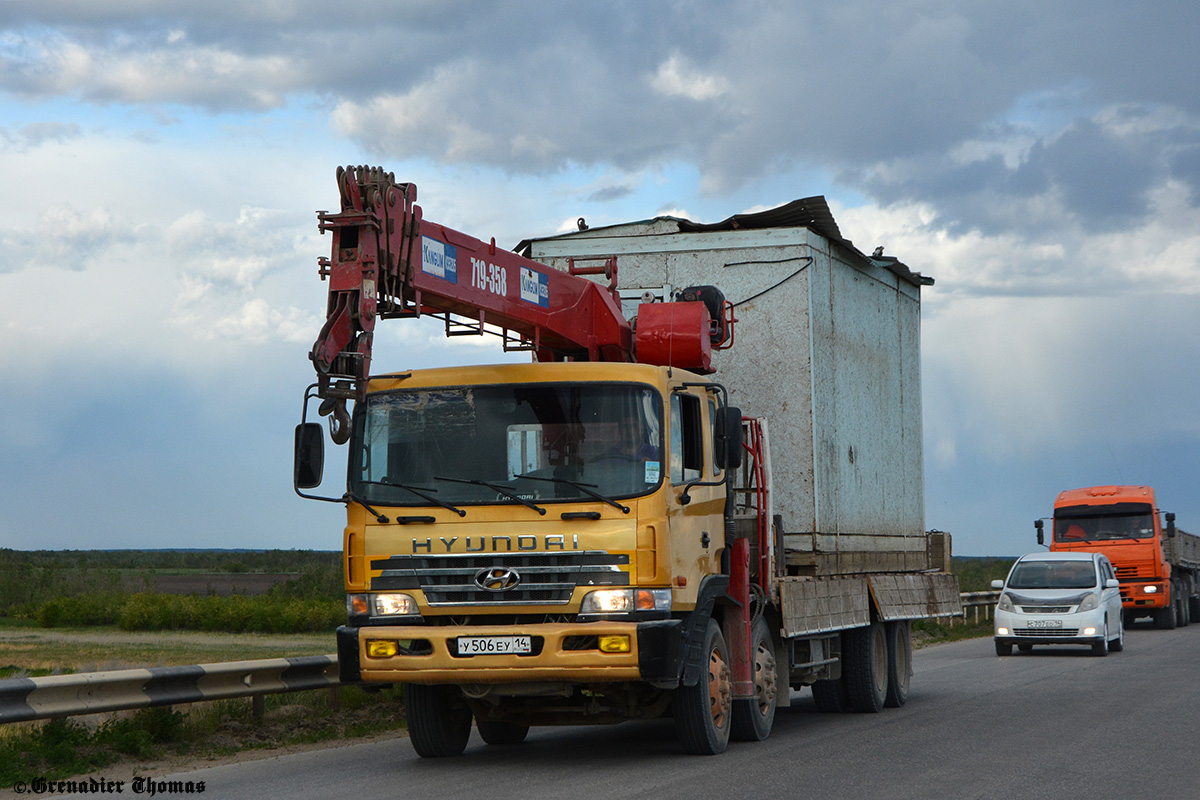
<point x="695" y="512"/>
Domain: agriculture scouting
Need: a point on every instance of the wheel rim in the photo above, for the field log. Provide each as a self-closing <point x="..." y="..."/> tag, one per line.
<point x="720" y="688"/>
<point x="764" y="678"/>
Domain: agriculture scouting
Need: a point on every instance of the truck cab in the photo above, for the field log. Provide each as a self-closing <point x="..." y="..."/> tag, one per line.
<point x="517" y="524"/>
<point x="1123" y="523"/>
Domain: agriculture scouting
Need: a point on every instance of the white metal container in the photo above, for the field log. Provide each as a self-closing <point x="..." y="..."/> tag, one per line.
<point x="827" y="348"/>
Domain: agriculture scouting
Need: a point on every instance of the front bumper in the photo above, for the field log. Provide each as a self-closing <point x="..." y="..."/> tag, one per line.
<point x="561" y="652"/>
<point x="1025" y="629"/>
<point x="1134" y="596"/>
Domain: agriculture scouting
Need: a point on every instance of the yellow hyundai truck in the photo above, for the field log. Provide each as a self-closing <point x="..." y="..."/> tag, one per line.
<point x="685" y="505"/>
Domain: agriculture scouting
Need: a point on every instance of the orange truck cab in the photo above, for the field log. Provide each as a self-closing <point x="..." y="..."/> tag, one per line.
<point x="1155" y="563"/>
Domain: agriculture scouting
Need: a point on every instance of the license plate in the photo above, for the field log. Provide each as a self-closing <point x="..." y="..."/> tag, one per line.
<point x="493" y="645"/>
<point x="1045" y="623"/>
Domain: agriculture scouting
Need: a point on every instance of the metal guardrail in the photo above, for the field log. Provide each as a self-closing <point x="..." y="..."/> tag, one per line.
<point x="26" y="699"/>
<point x="977" y="600"/>
<point x="23" y="699"/>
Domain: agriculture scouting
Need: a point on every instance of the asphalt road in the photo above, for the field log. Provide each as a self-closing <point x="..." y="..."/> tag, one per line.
<point x="1056" y="723"/>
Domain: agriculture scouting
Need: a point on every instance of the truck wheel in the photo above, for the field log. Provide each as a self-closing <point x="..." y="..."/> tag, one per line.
<point x="702" y="712"/>
<point x="1194" y="608"/>
<point x="1164" y="618"/>
<point x="500" y="733"/>
<point x="754" y="716"/>
<point x="831" y="696"/>
<point x="439" y="721"/>
<point x="1184" y="611"/>
<point x="1003" y="649"/>
<point x="899" y="662"/>
<point x="866" y="667"/>
<point x="1128" y="617"/>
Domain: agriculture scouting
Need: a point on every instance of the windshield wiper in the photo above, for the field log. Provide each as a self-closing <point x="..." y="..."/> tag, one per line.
<point x="351" y="496"/>
<point x="583" y="487"/>
<point x="496" y="488"/>
<point x="421" y="493"/>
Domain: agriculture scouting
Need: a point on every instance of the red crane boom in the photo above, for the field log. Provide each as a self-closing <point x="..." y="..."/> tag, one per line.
<point x="387" y="261"/>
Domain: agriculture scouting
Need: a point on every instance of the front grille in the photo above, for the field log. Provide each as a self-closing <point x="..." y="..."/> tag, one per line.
<point x="1047" y="633"/>
<point x="1130" y="572"/>
<point x="544" y="578"/>
<point x="1046" y="609"/>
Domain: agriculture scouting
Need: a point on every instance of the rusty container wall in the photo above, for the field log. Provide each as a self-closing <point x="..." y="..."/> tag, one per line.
<point x="828" y="351"/>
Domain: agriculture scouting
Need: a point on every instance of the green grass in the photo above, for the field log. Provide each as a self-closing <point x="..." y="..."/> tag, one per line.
<point x="64" y="748"/>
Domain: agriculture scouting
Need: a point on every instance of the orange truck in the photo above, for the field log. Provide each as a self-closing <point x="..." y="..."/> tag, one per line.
<point x="1157" y="564"/>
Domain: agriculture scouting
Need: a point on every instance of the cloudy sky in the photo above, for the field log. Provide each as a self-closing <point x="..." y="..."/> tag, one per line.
<point x="161" y="162"/>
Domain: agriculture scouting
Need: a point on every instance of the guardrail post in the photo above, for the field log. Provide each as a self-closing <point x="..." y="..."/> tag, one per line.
<point x="258" y="708"/>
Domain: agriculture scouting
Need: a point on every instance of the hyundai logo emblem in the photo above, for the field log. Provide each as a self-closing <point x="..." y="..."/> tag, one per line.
<point x="497" y="579"/>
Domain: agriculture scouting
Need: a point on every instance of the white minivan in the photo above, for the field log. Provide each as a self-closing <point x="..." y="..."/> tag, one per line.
<point x="1060" y="598"/>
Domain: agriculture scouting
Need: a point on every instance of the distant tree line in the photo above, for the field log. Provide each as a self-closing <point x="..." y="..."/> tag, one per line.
<point x="115" y="587"/>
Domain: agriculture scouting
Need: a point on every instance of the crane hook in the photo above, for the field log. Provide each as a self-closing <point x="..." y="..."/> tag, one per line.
<point x="339" y="419"/>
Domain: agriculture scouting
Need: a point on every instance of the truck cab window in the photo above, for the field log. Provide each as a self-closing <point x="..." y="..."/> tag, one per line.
<point x="687" y="449"/>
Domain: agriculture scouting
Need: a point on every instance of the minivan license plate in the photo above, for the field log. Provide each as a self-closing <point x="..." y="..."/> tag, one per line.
<point x="1045" y="623"/>
<point x="493" y="645"/>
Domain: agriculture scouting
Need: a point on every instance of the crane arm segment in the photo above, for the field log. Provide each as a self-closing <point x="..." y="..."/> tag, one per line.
<point x="387" y="261"/>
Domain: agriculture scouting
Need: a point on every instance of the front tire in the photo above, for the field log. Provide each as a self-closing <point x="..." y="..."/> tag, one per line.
<point x="754" y="716"/>
<point x="1118" y="644"/>
<point x="1003" y="649"/>
<point x="501" y="733"/>
<point x="866" y="667"/>
<point x="1165" y="617"/>
<point x="439" y="721"/>
<point x="1100" y="648"/>
<point x="702" y="712"/>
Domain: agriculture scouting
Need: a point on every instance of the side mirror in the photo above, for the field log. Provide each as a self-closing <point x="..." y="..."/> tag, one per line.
<point x="997" y="584"/>
<point x="1041" y="538"/>
<point x="309" y="457"/>
<point x="1170" y="525"/>
<point x="729" y="437"/>
<point x="1112" y="583"/>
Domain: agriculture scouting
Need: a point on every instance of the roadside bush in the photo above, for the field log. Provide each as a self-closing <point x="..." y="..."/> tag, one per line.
<point x="236" y="614"/>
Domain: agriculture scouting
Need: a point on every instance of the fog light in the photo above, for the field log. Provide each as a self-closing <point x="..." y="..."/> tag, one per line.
<point x="1002" y="631"/>
<point x="1089" y="631"/>
<point x="381" y="648"/>
<point x="614" y="644"/>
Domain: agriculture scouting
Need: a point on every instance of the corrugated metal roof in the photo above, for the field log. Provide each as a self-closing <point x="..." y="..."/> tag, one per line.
<point x="807" y="212"/>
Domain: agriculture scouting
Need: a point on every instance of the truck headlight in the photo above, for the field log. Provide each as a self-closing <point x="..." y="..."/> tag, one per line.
<point x="1149" y="589"/>
<point x="623" y="601"/>
<point x="381" y="605"/>
<point x="1006" y="603"/>
<point x="393" y="605"/>
<point x="1089" y="603"/>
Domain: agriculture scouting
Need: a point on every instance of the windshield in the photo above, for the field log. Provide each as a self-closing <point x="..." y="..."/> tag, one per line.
<point x="1095" y="523"/>
<point x="508" y="444"/>
<point x="1053" y="575"/>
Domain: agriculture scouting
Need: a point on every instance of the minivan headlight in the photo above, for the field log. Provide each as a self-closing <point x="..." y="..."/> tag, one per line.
<point x="1006" y="603"/>
<point x="1089" y="602"/>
